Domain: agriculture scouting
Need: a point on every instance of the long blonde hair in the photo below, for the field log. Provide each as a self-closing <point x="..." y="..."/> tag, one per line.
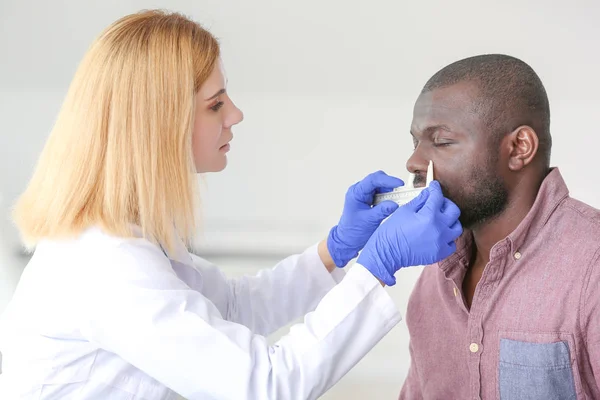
<point x="120" y="151"/>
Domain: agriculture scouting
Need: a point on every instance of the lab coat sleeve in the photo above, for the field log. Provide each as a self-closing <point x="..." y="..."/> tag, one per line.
<point x="137" y="308"/>
<point x="272" y="298"/>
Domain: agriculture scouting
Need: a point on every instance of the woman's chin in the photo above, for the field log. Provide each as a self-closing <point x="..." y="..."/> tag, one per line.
<point x="216" y="166"/>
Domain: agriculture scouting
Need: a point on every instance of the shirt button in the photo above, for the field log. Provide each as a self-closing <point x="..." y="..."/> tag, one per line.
<point x="517" y="255"/>
<point x="474" y="348"/>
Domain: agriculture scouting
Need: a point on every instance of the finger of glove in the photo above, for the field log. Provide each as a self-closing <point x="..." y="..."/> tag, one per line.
<point x="456" y="230"/>
<point x="434" y="202"/>
<point x="449" y="213"/>
<point x="447" y="250"/>
<point x="450" y="234"/>
<point x="382" y="211"/>
<point x="377" y="181"/>
<point x="418" y="202"/>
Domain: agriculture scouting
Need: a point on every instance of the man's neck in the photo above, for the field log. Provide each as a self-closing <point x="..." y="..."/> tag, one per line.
<point x="486" y="235"/>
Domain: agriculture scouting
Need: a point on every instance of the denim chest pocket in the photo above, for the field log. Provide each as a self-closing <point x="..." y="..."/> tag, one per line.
<point x="532" y="371"/>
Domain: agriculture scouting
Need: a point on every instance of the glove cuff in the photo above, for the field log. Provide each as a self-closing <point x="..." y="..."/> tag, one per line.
<point x="340" y="253"/>
<point x="378" y="271"/>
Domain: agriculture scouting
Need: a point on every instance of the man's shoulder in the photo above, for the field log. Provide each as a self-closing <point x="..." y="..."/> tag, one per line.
<point x="580" y="219"/>
<point x="586" y="211"/>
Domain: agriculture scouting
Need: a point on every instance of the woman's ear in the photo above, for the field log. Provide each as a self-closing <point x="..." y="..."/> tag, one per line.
<point x="523" y="145"/>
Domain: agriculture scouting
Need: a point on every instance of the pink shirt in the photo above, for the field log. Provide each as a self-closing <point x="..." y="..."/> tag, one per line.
<point x="533" y="330"/>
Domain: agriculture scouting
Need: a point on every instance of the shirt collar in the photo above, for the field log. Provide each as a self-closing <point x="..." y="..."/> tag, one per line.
<point x="551" y="193"/>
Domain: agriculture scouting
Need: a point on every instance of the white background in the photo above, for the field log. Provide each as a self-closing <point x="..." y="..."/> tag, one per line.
<point x="327" y="88"/>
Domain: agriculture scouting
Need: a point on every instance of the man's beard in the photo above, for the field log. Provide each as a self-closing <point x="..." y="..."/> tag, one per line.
<point x="485" y="197"/>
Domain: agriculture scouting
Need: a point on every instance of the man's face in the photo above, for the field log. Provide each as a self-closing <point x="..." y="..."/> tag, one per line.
<point x="447" y="130"/>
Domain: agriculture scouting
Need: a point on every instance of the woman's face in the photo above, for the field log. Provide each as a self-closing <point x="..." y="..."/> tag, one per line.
<point x="215" y="116"/>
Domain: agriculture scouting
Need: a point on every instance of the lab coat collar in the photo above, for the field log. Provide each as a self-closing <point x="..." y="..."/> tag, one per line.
<point x="179" y="252"/>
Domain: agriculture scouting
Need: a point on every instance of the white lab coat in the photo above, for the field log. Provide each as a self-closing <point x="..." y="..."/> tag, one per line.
<point x="102" y="317"/>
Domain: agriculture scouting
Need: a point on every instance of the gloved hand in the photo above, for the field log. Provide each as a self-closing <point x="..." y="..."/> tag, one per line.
<point x="359" y="220"/>
<point x="419" y="233"/>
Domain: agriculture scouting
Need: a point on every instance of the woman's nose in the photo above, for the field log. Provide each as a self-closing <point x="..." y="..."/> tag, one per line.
<point x="234" y="117"/>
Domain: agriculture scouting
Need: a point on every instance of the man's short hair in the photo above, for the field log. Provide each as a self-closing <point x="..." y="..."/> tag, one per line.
<point x="511" y="94"/>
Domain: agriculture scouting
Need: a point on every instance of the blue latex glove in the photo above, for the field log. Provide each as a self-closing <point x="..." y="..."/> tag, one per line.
<point x="359" y="220"/>
<point x="419" y="233"/>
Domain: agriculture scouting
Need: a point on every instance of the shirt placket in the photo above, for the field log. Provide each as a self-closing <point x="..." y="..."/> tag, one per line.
<point x="480" y="304"/>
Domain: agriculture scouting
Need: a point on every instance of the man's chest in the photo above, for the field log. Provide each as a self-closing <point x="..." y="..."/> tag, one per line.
<point x="469" y="284"/>
<point x="519" y="329"/>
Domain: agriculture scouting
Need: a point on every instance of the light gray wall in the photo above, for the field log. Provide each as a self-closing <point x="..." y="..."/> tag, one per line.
<point x="327" y="88"/>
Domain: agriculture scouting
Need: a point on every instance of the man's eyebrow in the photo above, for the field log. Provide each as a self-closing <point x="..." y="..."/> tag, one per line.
<point x="432" y="129"/>
<point x="220" y="92"/>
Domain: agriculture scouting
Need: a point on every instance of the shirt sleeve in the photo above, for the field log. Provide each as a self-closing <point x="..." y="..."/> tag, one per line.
<point x="590" y="317"/>
<point x="137" y="308"/>
<point x="272" y="298"/>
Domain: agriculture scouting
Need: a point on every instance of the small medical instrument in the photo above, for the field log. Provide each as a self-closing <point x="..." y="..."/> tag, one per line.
<point x="404" y="194"/>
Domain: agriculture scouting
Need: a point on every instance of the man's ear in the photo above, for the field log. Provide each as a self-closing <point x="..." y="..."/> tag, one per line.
<point x="523" y="145"/>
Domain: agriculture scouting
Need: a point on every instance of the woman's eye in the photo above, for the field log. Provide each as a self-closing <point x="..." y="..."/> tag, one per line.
<point x="442" y="144"/>
<point x="217" y="106"/>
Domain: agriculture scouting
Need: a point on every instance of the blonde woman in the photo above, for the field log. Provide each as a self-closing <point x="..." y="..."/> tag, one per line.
<point x="113" y="306"/>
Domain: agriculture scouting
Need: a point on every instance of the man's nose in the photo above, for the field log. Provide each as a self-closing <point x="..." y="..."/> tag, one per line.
<point x="417" y="163"/>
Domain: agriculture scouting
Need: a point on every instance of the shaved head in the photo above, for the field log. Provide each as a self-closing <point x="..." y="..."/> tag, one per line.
<point x="510" y="94"/>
